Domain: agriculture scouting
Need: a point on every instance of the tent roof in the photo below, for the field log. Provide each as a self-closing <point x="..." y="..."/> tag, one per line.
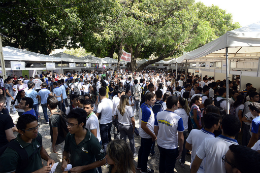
<point x="70" y="58"/>
<point x="15" y="54"/>
<point x="241" y="43"/>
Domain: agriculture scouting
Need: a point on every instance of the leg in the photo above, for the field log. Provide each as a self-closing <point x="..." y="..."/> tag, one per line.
<point x="161" y="160"/>
<point x="35" y="107"/>
<point x="108" y="131"/>
<point x="130" y="135"/>
<point x="152" y="149"/>
<point x="122" y="131"/>
<point x="147" y="143"/>
<point x="63" y="106"/>
<point x="8" y="103"/>
<point x="104" y="135"/>
<point x="170" y="159"/>
<point x="185" y="134"/>
<point x="44" y="109"/>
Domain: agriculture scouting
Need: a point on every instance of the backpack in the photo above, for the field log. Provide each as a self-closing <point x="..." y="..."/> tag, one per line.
<point x="137" y="94"/>
<point x="127" y="86"/>
<point x="76" y="88"/>
<point x="232" y="110"/>
<point x="23" y="155"/>
<point x="217" y="103"/>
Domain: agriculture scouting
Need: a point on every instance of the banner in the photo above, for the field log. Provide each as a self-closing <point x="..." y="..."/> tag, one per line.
<point x="50" y="66"/>
<point x="72" y="64"/>
<point x="15" y="65"/>
<point x="126" y="56"/>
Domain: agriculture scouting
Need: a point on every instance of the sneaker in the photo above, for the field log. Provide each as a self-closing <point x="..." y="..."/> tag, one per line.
<point x="182" y="164"/>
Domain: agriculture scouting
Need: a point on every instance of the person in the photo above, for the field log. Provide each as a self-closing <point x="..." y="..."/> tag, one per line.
<point x="119" y="157"/>
<point x="137" y="91"/>
<point x="104" y="112"/>
<point x="6" y="125"/>
<point x="255" y="111"/>
<point x="27" y="105"/>
<point x="64" y="95"/>
<point x="82" y="150"/>
<point x="9" y="93"/>
<point x="241" y="159"/>
<point x="126" y="121"/>
<point x="34" y="95"/>
<point x="20" y="95"/>
<point x="169" y="130"/>
<point x="43" y="95"/>
<point x="74" y="103"/>
<point x="29" y="140"/>
<point x="37" y="83"/>
<point x="195" y="113"/>
<point x="213" y="149"/>
<point x="146" y="132"/>
<point x="183" y="111"/>
<point x="55" y="128"/>
<point x="57" y="92"/>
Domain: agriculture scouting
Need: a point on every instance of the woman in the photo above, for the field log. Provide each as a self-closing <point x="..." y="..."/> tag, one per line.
<point x="238" y="107"/>
<point x="183" y="112"/>
<point x="119" y="157"/>
<point x="20" y="95"/>
<point x="195" y="113"/>
<point x="126" y="121"/>
<point x="165" y="96"/>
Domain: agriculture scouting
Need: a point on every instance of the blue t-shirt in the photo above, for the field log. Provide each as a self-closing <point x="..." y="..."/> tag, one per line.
<point x="32" y="94"/>
<point x="63" y="89"/>
<point x="57" y="91"/>
<point x="32" y="112"/>
<point x="157" y="107"/>
<point x="255" y="125"/>
<point x="44" y="93"/>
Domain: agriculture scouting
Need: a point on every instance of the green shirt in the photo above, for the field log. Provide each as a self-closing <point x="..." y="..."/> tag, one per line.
<point x="86" y="152"/>
<point x="10" y="158"/>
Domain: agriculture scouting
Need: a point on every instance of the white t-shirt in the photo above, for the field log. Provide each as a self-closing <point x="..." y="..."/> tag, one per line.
<point x="169" y="125"/>
<point x="106" y="110"/>
<point x="37" y="83"/>
<point x="256" y="147"/>
<point x="93" y="123"/>
<point x="211" y="93"/>
<point x="204" y="97"/>
<point x="164" y="105"/>
<point x="180" y="83"/>
<point x="126" y="118"/>
<point x="116" y="101"/>
<point x="240" y="107"/>
<point x="182" y="113"/>
<point x="212" y="150"/>
<point x="195" y="138"/>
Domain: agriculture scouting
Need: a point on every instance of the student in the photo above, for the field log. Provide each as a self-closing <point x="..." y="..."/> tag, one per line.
<point x="82" y="146"/>
<point x="31" y="141"/>
<point x="255" y="111"/>
<point x="9" y="93"/>
<point x="34" y="95"/>
<point x="43" y="95"/>
<point x="57" y="92"/>
<point x="195" y="112"/>
<point x="169" y="130"/>
<point x="64" y="95"/>
<point x="213" y="149"/>
<point x="27" y="105"/>
<point x="74" y="103"/>
<point x="146" y="132"/>
<point x="37" y="83"/>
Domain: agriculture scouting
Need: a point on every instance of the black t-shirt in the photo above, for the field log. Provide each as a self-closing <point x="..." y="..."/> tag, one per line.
<point x="6" y="123"/>
<point x="55" y="122"/>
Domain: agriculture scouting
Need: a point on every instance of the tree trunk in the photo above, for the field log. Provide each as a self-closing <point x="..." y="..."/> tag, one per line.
<point x="119" y="56"/>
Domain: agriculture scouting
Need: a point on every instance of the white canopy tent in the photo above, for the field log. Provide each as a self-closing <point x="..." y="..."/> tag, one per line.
<point x="240" y="43"/>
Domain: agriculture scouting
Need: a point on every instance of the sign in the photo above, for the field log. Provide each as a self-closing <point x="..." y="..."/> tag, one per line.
<point x="16" y="65"/>
<point x="207" y="65"/>
<point x="72" y="64"/>
<point x="50" y="66"/>
<point x="88" y="64"/>
<point x="126" y="56"/>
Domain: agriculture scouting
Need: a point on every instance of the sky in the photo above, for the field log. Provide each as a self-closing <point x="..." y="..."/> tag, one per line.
<point x="245" y="12"/>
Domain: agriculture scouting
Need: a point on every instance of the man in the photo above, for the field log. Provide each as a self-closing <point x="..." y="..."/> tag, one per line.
<point x="64" y="94"/>
<point x="205" y="95"/>
<point x="137" y="91"/>
<point x="9" y="93"/>
<point x="43" y="95"/>
<point x="81" y="140"/>
<point x="213" y="149"/>
<point x="57" y="92"/>
<point x="146" y="132"/>
<point x="37" y="83"/>
<point x="29" y="141"/>
<point x="27" y="105"/>
<point x="248" y="87"/>
<point x="169" y="130"/>
<point x="196" y="137"/>
<point x="255" y="111"/>
<point x="55" y="128"/>
<point x="74" y="103"/>
<point x="105" y="113"/>
<point x="240" y="159"/>
<point x="6" y="125"/>
<point x="34" y="95"/>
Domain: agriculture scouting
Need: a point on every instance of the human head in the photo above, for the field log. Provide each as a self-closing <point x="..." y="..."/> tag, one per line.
<point x="76" y="120"/>
<point x="158" y="94"/>
<point x="211" y="109"/>
<point x="30" y="85"/>
<point x="52" y="102"/>
<point x="27" y="126"/>
<point x="172" y="102"/>
<point x="208" y="102"/>
<point x="198" y="90"/>
<point x="165" y="96"/>
<point x="128" y="92"/>
<point x="55" y="84"/>
<point x="254" y="96"/>
<point x="44" y="85"/>
<point x="102" y="91"/>
<point x="230" y="125"/>
<point x="26" y="103"/>
<point x="241" y="159"/>
<point x="151" y="87"/>
<point x="88" y="106"/>
<point x="2" y="102"/>
<point x="120" y="155"/>
<point x="135" y="81"/>
<point x="75" y="99"/>
<point x="222" y="92"/>
<point x="248" y="86"/>
<point x="196" y="100"/>
<point x="206" y="90"/>
<point x="211" y="120"/>
<point x="150" y="98"/>
<point x="254" y="108"/>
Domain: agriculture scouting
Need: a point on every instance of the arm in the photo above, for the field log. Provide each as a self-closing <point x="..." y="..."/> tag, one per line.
<point x="195" y="164"/>
<point x="195" y="118"/>
<point x="188" y="146"/>
<point x="240" y="115"/>
<point x="65" y="159"/>
<point x="54" y="137"/>
<point x="133" y="122"/>
<point x="9" y="134"/>
<point x="46" y="157"/>
<point x="94" y="132"/>
<point x="156" y="129"/>
<point x="253" y="140"/>
<point x="180" y="143"/>
<point x="97" y="114"/>
<point x="148" y="131"/>
<point x="88" y="167"/>
<point x="7" y="92"/>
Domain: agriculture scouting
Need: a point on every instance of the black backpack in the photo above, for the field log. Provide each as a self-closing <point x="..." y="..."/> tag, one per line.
<point x="217" y="103"/>
<point x="127" y="85"/>
<point x="24" y="158"/>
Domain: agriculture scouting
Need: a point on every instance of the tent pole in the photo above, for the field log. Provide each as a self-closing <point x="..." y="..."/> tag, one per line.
<point x="186" y="73"/>
<point x="258" y="67"/>
<point x="227" y="81"/>
<point x="176" y="70"/>
<point x="2" y="59"/>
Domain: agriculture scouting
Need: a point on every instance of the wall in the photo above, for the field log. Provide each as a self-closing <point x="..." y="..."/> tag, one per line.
<point x="221" y="76"/>
<point x="204" y="73"/>
<point x="253" y="80"/>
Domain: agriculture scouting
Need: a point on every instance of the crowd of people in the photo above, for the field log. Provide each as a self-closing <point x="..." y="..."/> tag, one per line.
<point x="178" y="114"/>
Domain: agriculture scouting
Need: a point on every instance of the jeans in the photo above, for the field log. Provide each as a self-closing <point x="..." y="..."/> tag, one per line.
<point x="137" y="106"/>
<point x="152" y="148"/>
<point x="185" y="134"/>
<point x="35" y="107"/>
<point x="8" y="103"/>
<point x="63" y="106"/>
<point x="167" y="160"/>
<point x="127" y="130"/>
<point x="44" y="109"/>
<point x="246" y="135"/>
<point x="144" y="151"/>
<point x="105" y="134"/>
<point x="60" y="105"/>
<point x="65" y="101"/>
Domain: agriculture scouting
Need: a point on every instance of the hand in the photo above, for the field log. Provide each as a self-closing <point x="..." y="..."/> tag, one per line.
<point x="154" y="137"/>
<point x="77" y="169"/>
<point x="50" y="162"/>
<point x="64" y="165"/>
<point x="54" y="148"/>
<point x="45" y="169"/>
<point x="12" y="98"/>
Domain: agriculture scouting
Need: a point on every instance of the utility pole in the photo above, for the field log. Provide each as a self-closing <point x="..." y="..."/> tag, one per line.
<point x="2" y="59"/>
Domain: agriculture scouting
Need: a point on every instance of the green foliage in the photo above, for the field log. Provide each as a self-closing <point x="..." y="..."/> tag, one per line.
<point x="79" y="52"/>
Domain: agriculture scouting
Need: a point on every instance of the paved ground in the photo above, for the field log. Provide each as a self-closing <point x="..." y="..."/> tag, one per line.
<point x="153" y="161"/>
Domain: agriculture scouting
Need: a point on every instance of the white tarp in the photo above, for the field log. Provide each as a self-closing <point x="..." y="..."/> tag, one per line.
<point x="242" y="43"/>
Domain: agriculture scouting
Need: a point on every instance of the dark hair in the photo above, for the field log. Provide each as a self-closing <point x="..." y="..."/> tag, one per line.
<point x="230" y="125"/>
<point x="79" y="114"/>
<point x="165" y="96"/>
<point x="254" y="107"/>
<point x="158" y="94"/>
<point x="44" y="84"/>
<point x="149" y="96"/>
<point x="24" y="120"/>
<point x="81" y="99"/>
<point x="55" y="83"/>
<point x="245" y="159"/>
<point x="2" y="99"/>
<point x="59" y="81"/>
<point x="221" y="91"/>
<point x="102" y="91"/>
<point x="253" y="94"/>
<point x="194" y="99"/>
<point x="28" y="101"/>
<point x="207" y="102"/>
<point x="30" y="85"/>
<point x="150" y="85"/>
<point x="210" y="119"/>
<point x="171" y="101"/>
<point x="88" y="102"/>
<point x="239" y="101"/>
<point x="120" y="153"/>
<point x="136" y="81"/>
<point x="73" y="96"/>
<point x="248" y="84"/>
<point x="127" y="90"/>
<point x="186" y="95"/>
<point x="52" y="102"/>
<point x="200" y="89"/>
<point x="212" y="109"/>
<point x="205" y="88"/>
<point x="178" y="88"/>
